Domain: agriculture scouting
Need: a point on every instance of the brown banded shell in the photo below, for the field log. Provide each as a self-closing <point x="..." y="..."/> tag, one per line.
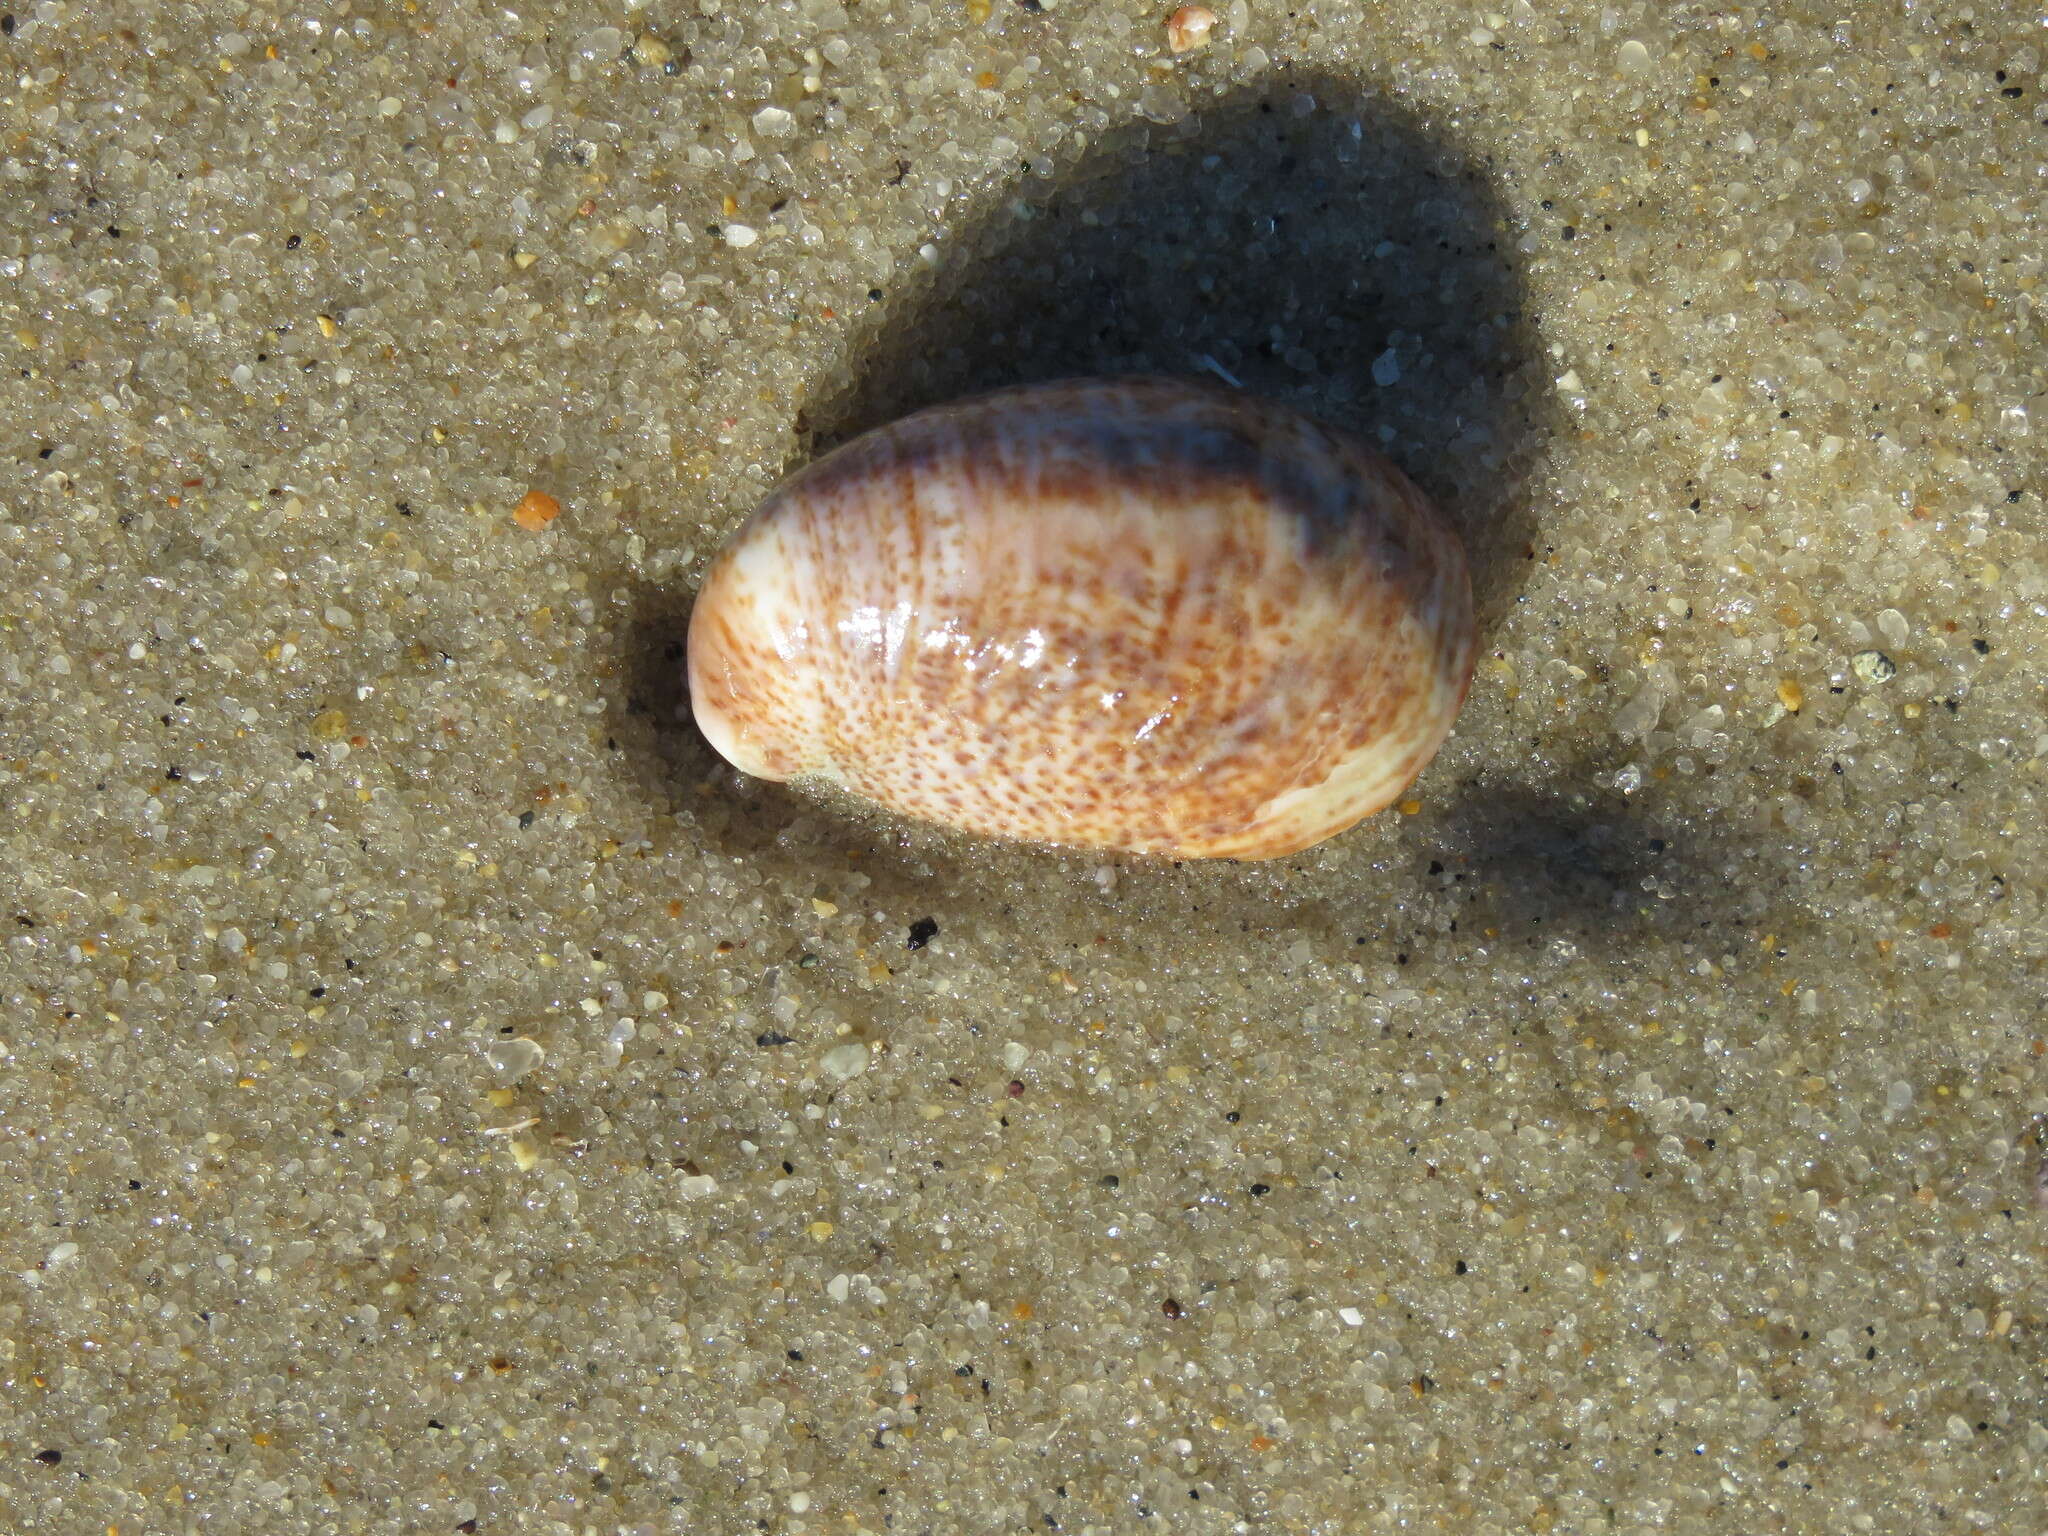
<point x="1129" y="613"/>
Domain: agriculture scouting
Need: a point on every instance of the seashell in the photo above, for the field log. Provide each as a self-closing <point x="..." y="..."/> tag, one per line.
<point x="1138" y="614"/>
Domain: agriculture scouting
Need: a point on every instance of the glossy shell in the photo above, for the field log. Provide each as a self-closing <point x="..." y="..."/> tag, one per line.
<point x="1135" y="613"/>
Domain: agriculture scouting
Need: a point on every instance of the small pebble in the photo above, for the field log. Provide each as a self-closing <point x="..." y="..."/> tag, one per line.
<point x="1873" y="667"/>
<point x="845" y="1061"/>
<point x="1188" y="28"/>
<point x="510" y="1060"/>
<point x="536" y="510"/>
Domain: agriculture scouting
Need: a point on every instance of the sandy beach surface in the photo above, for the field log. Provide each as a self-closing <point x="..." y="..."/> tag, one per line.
<point x="438" y="1095"/>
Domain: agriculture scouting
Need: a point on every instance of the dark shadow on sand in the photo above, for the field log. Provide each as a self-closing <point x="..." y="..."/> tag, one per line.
<point x="1339" y="257"/>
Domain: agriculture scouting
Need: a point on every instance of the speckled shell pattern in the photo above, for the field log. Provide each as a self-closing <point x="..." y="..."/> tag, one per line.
<point x="1137" y="614"/>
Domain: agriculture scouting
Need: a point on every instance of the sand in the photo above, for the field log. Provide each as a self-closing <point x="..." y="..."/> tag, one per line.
<point x="437" y="1095"/>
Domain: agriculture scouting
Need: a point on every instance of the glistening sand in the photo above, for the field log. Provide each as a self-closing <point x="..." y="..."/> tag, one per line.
<point x="1639" y="1134"/>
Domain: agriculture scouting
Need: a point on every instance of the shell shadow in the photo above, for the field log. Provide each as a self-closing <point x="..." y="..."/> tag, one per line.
<point x="1581" y="870"/>
<point x="1315" y="241"/>
<point x="1309" y="238"/>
